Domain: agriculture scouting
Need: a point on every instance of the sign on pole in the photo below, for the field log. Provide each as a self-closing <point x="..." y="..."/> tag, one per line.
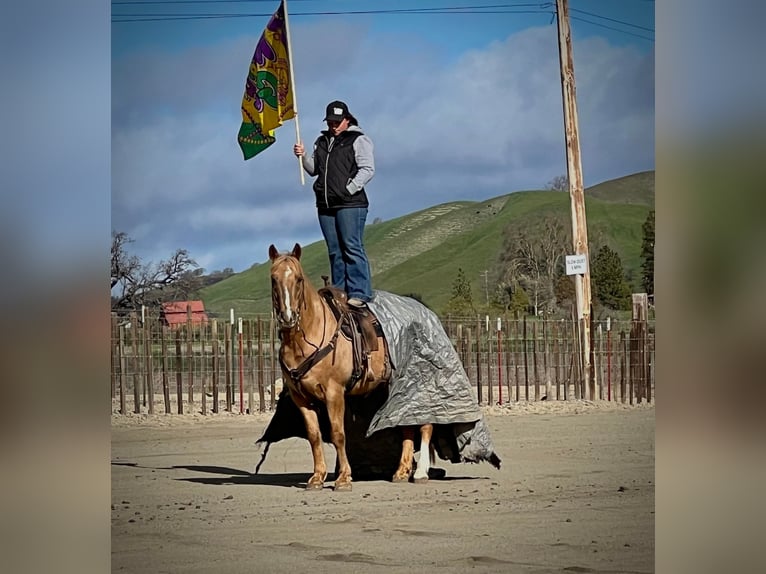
<point x="577" y="264"/>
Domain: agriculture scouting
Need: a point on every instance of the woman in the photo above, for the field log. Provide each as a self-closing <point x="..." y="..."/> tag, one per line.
<point x="343" y="162"/>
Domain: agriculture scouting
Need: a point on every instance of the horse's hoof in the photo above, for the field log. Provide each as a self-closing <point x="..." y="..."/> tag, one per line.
<point x="314" y="486"/>
<point x="422" y="480"/>
<point x="398" y="478"/>
<point x="344" y="487"/>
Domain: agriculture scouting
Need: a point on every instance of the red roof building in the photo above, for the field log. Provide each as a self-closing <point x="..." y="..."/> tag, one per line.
<point x="174" y="313"/>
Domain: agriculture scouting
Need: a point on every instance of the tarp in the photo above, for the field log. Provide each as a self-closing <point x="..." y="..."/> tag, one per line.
<point x="428" y="385"/>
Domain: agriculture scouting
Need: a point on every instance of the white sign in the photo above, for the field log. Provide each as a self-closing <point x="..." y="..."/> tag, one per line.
<point x="576" y="264"/>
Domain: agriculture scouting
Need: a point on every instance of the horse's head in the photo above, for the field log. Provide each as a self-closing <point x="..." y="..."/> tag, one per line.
<point x="286" y="286"/>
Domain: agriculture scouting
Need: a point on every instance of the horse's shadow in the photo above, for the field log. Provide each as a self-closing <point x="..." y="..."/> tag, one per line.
<point x="230" y="476"/>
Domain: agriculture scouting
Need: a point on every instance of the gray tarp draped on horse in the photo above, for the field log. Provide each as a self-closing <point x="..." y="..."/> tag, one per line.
<point x="428" y="385"/>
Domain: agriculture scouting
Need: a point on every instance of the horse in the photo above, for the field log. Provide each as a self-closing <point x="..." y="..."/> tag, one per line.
<point x="317" y="365"/>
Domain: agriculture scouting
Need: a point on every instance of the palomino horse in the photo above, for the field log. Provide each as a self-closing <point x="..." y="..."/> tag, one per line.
<point x="311" y="346"/>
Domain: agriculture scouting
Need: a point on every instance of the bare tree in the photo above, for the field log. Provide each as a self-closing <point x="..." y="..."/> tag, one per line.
<point x="532" y="261"/>
<point x="125" y="267"/>
<point x="134" y="284"/>
<point x="558" y="183"/>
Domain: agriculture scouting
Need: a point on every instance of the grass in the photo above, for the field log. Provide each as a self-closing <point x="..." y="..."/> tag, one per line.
<point x="421" y="252"/>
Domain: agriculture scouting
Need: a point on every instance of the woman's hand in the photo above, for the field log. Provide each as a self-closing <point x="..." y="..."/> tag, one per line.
<point x="298" y="149"/>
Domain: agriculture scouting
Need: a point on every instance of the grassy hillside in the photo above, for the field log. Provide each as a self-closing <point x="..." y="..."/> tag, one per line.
<point x="421" y="252"/>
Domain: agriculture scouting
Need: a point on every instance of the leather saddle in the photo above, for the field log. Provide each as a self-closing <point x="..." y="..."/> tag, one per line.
<point x="360" y="326"/>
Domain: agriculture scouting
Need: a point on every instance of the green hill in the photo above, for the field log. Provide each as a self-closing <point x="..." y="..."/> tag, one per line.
<point x="421" y="252"/>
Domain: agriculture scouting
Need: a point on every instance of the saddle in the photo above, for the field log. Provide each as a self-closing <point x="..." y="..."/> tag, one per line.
<point x="361" y="327"/>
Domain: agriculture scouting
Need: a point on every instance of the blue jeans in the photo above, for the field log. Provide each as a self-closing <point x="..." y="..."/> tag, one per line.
<point x="343" y="231"/>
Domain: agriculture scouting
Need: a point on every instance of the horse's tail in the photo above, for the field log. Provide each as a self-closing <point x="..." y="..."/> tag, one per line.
<point x="263" y="457"/>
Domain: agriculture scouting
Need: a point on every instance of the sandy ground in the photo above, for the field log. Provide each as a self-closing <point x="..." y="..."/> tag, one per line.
<point x="575" y="494"/>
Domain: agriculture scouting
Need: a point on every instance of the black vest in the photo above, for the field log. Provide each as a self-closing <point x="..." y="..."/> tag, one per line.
<point x="335" y="166"/>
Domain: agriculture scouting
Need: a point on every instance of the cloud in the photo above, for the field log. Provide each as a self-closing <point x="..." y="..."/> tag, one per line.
<point x="484" y="124"/>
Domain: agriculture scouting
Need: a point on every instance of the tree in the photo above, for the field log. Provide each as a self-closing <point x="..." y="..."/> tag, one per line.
<point x="558" y="183"/>
<point x="530" y="260"/>
<point x="608" y="280"/>
<point x="564" y="290"/>
<point x="647" y="255"/>
<point x="519" y="301"/>
<point x="134" y="284"/>
<point x="461" y="302"/>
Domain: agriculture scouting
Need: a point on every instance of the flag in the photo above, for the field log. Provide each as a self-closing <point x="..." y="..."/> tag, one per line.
<point x="268" y="99"/>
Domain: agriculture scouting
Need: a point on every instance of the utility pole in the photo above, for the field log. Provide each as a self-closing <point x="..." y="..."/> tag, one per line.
<point x="576" y="191"/>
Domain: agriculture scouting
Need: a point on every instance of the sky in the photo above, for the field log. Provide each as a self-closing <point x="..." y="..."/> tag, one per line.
<point x="459" y="107"/>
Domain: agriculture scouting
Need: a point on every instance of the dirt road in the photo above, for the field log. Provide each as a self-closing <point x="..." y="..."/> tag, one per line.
<point x="575" y="494"/>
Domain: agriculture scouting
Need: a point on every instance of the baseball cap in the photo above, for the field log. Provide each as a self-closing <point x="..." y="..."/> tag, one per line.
<point x="336" y="111"/>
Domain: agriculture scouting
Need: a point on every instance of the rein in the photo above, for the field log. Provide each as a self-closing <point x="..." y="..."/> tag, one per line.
<point x="297" y="374"/>
<point x="300" y="371"/>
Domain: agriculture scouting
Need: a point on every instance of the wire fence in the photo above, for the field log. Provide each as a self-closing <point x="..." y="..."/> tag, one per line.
<point x="219" y="365"/>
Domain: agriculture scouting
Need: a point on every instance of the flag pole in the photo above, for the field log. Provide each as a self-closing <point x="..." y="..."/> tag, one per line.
<point x="292" y="86"/>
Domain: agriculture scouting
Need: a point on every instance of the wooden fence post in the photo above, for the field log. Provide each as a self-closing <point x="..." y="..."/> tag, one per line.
<point x="190" y="354"/>
<point x="227" y="365"/>
<point x="273" y="347"/>
<point x="147" y="326"/>
<point x="598" y="361"/>
<point x="638" y="339"/>
<point x="165" y="382"/>
<point x="114" y="346"/>
<point x="478" y="360"/>
<point x="487" y="330"/>
<point x="546" y="372"/>
<point x="623" y="364"/>
<point x="251" y="368"/>
<point x="526" y="362"/>
<point x="261" y="349"/>
<point x="591" y="374"/>
<point x="557" y="358"/>
<point x="123" y="369"/>
<point x="179" y="369"/>
<point x="216" y="361"/>
<point x="203" y="363"/>
<point x="135" y="363"/>
<point x="649" y="366"/>
<point x="535" y="371"/>
<point x="516" y="378"/>
<point x="508" y="356"/>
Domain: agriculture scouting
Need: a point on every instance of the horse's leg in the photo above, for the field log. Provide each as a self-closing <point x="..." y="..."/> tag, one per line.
<point x="335" y="400"/>
<point x="424" y="459"/>
<point x="316" y="482"/>
<point x="402" y="473"/>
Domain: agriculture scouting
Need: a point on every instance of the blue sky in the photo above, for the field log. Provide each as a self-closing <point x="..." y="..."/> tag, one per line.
<point x="460" y="107"/>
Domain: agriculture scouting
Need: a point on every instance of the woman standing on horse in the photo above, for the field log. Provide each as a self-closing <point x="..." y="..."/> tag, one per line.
<point x="343" y="163"/>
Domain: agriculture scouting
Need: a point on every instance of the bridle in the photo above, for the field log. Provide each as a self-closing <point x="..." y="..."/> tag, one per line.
<point x="320" y="351"/>
<point x="301" y="304"/>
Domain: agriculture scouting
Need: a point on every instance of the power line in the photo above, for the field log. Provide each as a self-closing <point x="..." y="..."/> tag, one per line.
<point x="612" y="20"/>
<point x="610" y="27"/>
<point x="153" y="2"/>
<point x="507" y="8"/>
<point x="481" y="9"/>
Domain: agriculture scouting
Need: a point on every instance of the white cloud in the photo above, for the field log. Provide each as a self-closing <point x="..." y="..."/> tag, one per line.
<point x="486" y="124"/>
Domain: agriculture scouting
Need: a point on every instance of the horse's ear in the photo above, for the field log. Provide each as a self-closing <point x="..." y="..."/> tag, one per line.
<point x="296" y="252"/>
<point x="273" y="253"/>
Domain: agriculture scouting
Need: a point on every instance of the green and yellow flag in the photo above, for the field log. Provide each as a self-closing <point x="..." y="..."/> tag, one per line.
<point x="268" y="99"/>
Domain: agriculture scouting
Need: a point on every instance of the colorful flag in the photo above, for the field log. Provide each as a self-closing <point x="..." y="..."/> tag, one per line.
<point x="268" y="99"/>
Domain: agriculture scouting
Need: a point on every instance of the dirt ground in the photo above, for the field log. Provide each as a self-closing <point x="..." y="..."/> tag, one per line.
<point x="575" y="494"/>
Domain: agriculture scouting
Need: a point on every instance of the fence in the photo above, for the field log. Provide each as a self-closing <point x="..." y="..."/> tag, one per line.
<point x="234" y="366"/>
